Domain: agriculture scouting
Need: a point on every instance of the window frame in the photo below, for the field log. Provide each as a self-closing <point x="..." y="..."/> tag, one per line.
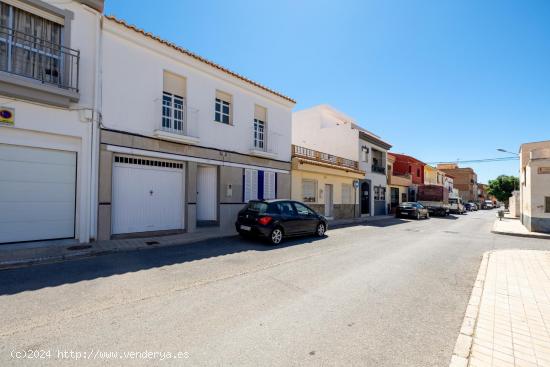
<point x="171" y="117"/>
<point x="308" y="199"/>
<point x="547" y="204"/>
<point x="260" y="143"/>
<point x="219" y="104"/>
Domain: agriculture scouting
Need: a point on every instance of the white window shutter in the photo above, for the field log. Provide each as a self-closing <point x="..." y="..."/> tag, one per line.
<point x="269" y="185"/>
<point x="250" y="185"/>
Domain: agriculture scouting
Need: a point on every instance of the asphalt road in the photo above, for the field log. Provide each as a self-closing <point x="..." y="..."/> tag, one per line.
<point x="392" y="293"/>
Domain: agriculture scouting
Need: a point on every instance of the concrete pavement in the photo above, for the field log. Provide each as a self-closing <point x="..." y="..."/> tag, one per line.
<point x="388" y="293"/>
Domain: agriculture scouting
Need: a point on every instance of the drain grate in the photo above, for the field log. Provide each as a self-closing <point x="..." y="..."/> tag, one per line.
<point x="79" y="247"/>
<point x="151" y="243"/>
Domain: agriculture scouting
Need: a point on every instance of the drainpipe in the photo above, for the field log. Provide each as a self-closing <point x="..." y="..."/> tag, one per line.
<point x="96" y="123"/>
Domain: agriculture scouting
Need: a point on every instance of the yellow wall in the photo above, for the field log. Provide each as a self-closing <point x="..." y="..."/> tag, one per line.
<point x="324" y="176"/>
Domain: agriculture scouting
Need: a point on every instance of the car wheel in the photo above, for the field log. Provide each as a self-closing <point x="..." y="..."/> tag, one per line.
<point x="276" y="236"/>
<point x="418" y="216"/>
<point x="320" y="231"/>
<point x="427" y="215"/>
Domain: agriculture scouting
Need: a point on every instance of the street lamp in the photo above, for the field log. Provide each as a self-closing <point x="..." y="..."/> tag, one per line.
<point x="505" y="151"/>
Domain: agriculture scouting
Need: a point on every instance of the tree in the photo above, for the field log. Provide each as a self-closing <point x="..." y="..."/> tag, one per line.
<point x="502" y="187"/>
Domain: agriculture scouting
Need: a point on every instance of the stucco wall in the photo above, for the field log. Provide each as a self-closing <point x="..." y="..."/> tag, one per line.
<point x="132" y="94"/>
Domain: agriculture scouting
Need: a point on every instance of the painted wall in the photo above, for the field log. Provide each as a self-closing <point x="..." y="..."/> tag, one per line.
<point x="132" y="93"/>
<point x="377" y="179"/>
<point x="324" y="129"/>
<point x="65" y="129"/>
<point x="535" y="190"/>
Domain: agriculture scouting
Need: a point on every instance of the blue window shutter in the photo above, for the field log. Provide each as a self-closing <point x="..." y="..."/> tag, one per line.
<point x="260" y="185"/>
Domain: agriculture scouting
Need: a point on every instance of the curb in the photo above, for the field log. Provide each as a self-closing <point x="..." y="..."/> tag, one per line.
<point x="23" y="263"/>
<point x="463" y="346"/>
<point x="538" y="236"/>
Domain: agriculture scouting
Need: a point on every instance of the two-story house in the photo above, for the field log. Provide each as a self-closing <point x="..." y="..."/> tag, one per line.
<point x="373" y="160"/>
<point x="325" y="167"/>
<point x="398" y="183"/>
<point x="184" y="142"/>
<point x="405" y="164"/>
<point x="48" y="62"/>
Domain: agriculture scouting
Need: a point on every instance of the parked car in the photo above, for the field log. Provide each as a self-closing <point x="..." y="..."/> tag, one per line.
<point x="277" y="219"/>
<point x="474" y="206"/>
<point x="456" y="206"/>
<point x="488" y="204"/>
<point x="468" y="207"/>
<point x="411" y="210"/>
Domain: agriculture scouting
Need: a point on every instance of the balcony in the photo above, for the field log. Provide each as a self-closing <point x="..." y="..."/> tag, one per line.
<point x="27" y="59"/>
<point x="314" y="155"/>
<point x="263" y="143"/>
<point x="177" y="122"/>
<point x="378" y="169"/>
<point x="400" y="179"/>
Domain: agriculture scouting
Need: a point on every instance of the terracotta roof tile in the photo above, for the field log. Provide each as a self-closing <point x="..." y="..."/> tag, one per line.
<point x="195" y="56"/>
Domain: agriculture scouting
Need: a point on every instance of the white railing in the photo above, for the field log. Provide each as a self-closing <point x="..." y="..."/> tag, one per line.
<point x="266" y="141"/>
<point x="177" y="119"/>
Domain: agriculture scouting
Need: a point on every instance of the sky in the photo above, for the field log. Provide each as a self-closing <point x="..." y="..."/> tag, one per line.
<point x="440" y="80"/>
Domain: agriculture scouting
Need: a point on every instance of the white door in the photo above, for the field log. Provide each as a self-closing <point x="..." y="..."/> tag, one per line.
<point x="206" y="193"/>
<point x="328" y="200"/>
<point x="37" y="193"/>
<point x="147" y="195"/>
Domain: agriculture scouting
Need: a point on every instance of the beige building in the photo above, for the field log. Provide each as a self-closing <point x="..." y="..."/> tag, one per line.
<point x="535" y="186"/>
<point x="465" y="180"/>
<point x="398" y="184"/>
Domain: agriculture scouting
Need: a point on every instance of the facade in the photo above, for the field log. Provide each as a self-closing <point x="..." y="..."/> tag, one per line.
<point x="48" y="101"/>
<point x="184" y="142"/>
<point x="325" y="167"/>
<point x="373" y="160"/>
<point x="433" y="176"/>
<point x="535" y="186"/>
<point x="398" y="184"/>
<point x="465" y="180"/>
<point x="448" y="182"/>
<point x="404" y="165"/>
<point x="514" y="204"/>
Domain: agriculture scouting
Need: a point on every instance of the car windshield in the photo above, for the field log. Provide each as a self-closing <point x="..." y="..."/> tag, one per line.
<point x="257" y="206"/>
<point x="453" y="201"/>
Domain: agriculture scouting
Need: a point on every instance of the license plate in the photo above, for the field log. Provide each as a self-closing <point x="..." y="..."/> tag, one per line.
<point x="246" y="228"/>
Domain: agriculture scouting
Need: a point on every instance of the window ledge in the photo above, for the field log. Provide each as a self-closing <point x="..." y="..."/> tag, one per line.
<point x="176" y="137"/>
<point x="17" y="86"/>
<point x="262" y="153"/>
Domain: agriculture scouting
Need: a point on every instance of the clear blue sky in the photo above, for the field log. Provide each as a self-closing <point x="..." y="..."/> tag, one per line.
<point x="439" y="79"/>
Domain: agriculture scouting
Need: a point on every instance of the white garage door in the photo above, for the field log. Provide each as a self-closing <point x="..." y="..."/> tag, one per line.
<point x="147" y="195"/>
<point x="37" y="193"/>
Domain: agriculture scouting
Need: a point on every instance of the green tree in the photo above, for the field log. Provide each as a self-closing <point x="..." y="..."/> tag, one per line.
<point x="502" y="187"/>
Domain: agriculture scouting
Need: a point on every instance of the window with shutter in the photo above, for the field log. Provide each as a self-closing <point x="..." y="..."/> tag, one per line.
<point x="346" y="194"/>
<point x="269" y="185"/>
<point x="250" y="185"/>
<point x="547" y="206"/>
<point x="309" y="191"/>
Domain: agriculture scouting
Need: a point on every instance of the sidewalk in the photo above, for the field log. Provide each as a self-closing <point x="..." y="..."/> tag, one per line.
<point x="26" y="254"/>
<point x="513" y="227"/>
<point x="507" y="321"/>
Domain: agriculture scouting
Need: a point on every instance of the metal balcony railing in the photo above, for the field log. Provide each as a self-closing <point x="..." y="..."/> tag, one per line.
<point x="378" y="169"/>
<point x="298" y="151"/>
<point x="32" y="57"/>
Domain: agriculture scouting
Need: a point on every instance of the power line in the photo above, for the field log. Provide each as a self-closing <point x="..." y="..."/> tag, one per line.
<point x="485" y="160"/>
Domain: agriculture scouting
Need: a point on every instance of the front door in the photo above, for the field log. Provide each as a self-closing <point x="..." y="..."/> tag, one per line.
<point x="328" y="200"/>
<point x="206" y="193"/>
<point x="394" y="203"/>
<point x="365" y="198"/>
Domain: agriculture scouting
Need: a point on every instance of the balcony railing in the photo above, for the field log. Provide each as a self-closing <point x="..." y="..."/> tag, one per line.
<point x="263" y="141"/>
<point x="32" y="57"/>
<point x="378" y="169"/>
<point x="302" y="152"/>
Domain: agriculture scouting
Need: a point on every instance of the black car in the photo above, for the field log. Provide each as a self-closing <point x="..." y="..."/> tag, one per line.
<point x="276" y="219"/>
<point x="412" y="210"/>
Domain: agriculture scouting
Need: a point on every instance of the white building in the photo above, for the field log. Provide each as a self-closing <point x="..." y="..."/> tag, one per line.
<point x="184" y="142"/>
<point x="535" y="186"/>
<point x="47" y="103"/>
<point x="373" y="160"/>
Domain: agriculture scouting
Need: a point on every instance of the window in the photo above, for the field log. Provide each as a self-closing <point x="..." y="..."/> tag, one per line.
<point x="259" y="185"/>
<point x="418" y="172"/>
<point x="222" y="108"/>
<point x="547" y="204"/>
<point x="302" y="209"/>
<point x="382" y="193"/>
<point x="260" y="115"/>
<point x="346" y="194"/>
<point x="173" y="103"/>
<point x="30" y="45"/>
<point x="410" y="169"/>
<point x="309" y="190"/>
<point x="376" y="193"/>
<point x="286" y="208"/>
